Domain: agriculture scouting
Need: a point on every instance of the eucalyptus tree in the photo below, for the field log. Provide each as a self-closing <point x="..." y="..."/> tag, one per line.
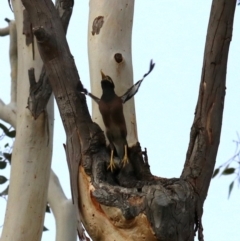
<point x="128" y="203"/>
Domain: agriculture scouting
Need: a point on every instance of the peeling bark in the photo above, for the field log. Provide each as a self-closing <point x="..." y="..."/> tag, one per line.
<point x="40" y="91"/>
<point x="27" y="29"/>
<point x="113" y="206"/>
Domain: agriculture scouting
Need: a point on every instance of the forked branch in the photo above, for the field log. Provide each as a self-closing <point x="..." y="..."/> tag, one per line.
<point x="167" y="208"/>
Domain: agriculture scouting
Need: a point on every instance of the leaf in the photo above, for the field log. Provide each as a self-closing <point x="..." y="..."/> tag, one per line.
<point x="7" y="132"/>
<point x="230" y="188"/>
<point x="216" y="171"/>
<point x="48" y="210"/>
<point x="3" y="179"/>
<point x="228" y="171"/>
<point x="11" y="134"/>
<point x="2" y="164"/>
<point x="4" y="128"/>
<point x="45" y="229"/>
<point x="8" y="156"/>
<point x="5" y="192"/>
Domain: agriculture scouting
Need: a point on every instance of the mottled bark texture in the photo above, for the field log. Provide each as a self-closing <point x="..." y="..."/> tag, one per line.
<point x="113" y="206"/>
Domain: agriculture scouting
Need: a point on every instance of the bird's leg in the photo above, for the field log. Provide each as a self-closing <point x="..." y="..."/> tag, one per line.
<point x="111" y="165"/>
<point x="125" y="158"/>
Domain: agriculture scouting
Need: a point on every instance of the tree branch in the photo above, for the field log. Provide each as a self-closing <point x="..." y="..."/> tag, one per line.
<point x="63" y="211"/>
<point x="61" y="68"/>
<point x="110" y="50"/>
<point x="32" y="153"/>
<point x="13" y="60"/>
<point x="8" y="112"/>
<point x="142" y="204"/>
<point x="40" y="91"/>
<point x="206" y="128"/>
<point x="4" y="31"/>
<point x="155" y="208"/>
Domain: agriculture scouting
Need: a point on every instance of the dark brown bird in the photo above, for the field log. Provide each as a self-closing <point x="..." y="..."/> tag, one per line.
<point x="111" y="109"/>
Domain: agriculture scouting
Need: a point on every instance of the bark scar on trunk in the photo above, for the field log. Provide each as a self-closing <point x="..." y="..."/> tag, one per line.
<point x="97" y="25"/>
<point x="40" y="92"/>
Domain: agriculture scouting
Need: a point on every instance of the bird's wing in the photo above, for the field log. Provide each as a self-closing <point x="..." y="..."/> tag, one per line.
<point x="134" y="89"/>
<point x="96" y="99"/>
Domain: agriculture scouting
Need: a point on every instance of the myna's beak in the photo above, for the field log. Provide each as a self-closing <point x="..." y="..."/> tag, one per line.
<point x="103" y="75"/>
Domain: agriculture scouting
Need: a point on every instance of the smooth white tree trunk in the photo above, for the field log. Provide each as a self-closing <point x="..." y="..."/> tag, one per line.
<point x="109" y="50"/>
<point x="110" y="33"/>
<point x="8" y="111"/>
<point x="32" y="152"/>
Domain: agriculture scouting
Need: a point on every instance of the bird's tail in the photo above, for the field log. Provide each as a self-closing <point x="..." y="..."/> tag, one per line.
<point x="120" y="148"/>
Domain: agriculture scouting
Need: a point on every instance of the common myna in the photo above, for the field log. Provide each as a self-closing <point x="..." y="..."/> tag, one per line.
<point x="111" y="109"/>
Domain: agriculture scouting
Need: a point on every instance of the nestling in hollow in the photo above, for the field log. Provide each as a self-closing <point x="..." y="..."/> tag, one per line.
<point x="111" y="108"/>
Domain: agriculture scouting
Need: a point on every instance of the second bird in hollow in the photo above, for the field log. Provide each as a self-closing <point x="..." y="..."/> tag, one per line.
<point x="111" y="109"/>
